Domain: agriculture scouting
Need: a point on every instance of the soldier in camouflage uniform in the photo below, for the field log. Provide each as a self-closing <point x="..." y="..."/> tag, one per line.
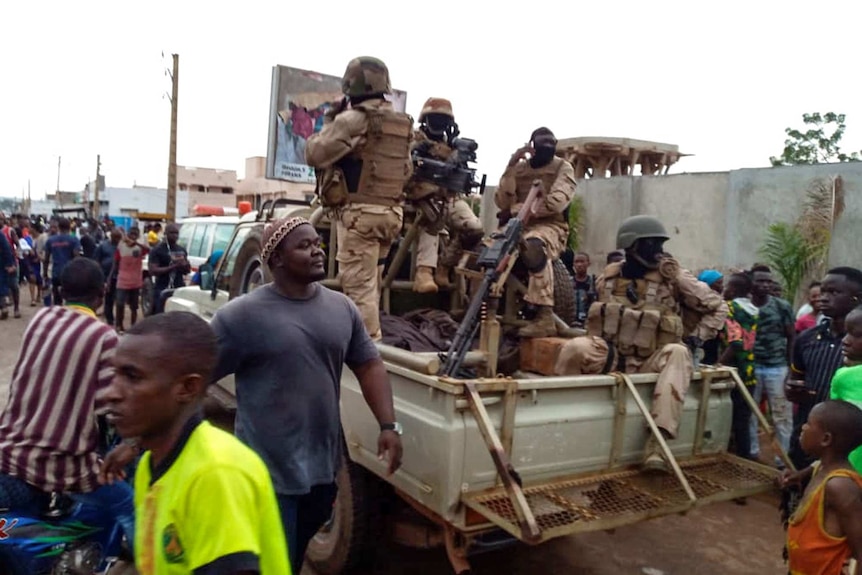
<point x="437" y="129"/>
<point x="649" y="316"/>
<point x="362" y="161"/>
<point x="545" y="236"/>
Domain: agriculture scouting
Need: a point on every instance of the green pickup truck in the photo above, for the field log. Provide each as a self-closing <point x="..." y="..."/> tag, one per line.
<point x="497" y="459"/>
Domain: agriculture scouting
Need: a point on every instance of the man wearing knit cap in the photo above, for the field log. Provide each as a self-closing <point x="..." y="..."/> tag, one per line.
<point x="545" y="236"/>
<point x="286" y="343"/>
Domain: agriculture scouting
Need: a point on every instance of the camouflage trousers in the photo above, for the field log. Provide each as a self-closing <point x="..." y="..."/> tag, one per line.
<point x="460" y="219"/>
<point x="540" y="289"/>
<point x="588" y="355"/>
<point x="365" y="234"/>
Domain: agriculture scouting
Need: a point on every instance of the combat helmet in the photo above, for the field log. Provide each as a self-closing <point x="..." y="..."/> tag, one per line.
<point x="638" y="227"/>
<point x="440" y="106"/>
<point x="364" y="76"/>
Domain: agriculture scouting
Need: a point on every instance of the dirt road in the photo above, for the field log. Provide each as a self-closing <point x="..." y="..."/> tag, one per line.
<point x="718" y="539"/>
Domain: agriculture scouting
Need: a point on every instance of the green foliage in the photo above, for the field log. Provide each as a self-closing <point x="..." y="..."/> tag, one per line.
<point x="819" y="143"/>
<point x="800" y="251"/>
<point x="576" y="222"/>
<point x="788" y="254"/>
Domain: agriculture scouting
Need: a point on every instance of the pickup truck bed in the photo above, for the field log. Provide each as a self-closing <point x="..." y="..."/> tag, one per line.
<point x="574" y="444"/>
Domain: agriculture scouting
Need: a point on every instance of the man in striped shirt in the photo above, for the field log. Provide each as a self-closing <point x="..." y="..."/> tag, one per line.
<point x="817" y="351"/>
<point x="49" y="436"/>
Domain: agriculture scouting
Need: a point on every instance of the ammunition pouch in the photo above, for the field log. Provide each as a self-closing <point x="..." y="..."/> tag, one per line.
<point x="634" y="332"/>
<point x="332" y="188"/>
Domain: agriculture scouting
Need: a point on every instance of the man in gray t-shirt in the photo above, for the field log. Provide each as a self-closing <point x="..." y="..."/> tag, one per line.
<point x="286" y="344"/>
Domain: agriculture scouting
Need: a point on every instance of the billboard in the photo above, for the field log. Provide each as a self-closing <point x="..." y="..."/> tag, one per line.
<point x="298" y="101"/>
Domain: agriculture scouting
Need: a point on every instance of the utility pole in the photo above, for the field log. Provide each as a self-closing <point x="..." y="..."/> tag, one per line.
<point x="96" y="204"/>
<point x="172" y="159"/>
<point x="59" y="159"/>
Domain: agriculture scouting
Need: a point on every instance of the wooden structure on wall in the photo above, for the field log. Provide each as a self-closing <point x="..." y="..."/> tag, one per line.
<point x="594" y="157"/>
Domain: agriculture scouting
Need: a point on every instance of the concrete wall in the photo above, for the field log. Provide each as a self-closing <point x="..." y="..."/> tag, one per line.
<point x="719" y="219"/>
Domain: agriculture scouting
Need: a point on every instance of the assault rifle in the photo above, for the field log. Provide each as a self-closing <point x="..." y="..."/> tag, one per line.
<point x="494" y="259"/>
<point x="453" y="174"/>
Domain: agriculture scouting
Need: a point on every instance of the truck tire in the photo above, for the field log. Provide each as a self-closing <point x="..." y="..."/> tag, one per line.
<point x="564" y="293"/>
<point x="348" y="539"/>
<point x="249" y="271"/>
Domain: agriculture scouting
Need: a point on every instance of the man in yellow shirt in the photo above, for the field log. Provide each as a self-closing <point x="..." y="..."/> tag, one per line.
<point x="204" y="502"/>
<point x="154" y="234"/>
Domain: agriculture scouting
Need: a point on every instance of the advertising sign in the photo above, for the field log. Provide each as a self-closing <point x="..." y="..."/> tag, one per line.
<point x="298" y="101"/>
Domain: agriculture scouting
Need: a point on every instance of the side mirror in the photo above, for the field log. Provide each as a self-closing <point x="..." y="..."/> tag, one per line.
<point x="207" y="277"/>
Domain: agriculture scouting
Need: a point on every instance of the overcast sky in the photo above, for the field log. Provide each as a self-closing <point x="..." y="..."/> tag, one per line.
<point x="721" y="80"/>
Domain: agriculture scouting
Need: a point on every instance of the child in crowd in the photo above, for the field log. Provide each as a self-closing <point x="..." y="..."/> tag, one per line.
<point x="826" y="529"/>
<point x="847" y="381"/>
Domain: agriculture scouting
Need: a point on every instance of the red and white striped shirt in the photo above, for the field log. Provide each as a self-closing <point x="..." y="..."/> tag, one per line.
<point x="48" y="430"/>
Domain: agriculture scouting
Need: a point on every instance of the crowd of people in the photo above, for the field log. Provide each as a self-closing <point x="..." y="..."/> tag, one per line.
<point x="34" y="251"/>
<point x="275" y="480"/>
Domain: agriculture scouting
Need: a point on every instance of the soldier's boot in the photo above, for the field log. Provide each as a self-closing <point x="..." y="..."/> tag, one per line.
<point x="423" y="281"/>
<point x="441" y="277"/>
<point x="542" y="325"/>
<point x="653" y="457"/>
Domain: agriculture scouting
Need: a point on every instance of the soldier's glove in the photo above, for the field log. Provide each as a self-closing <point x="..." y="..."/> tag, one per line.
<point x="336" y="108"/>
<point x="693" y="342"/>
<point x="503" y="217"/>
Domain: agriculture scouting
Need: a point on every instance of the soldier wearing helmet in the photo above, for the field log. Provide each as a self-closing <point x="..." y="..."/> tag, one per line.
<point x="362" y="161"/>
<point x="649" y="315"/>
<point x="545" y="236"/>
<point x="437" y="129"/>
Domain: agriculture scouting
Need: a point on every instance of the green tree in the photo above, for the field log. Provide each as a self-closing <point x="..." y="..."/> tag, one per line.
<point x="818" y="144"/>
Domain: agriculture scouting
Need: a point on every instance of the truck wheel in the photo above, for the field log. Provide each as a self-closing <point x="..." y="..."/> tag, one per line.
<point x="564" y="293"/>
<point x="348" y="539"/>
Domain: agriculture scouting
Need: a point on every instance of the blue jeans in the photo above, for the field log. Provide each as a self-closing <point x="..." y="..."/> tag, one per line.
<point x="302" y="516"/>
<point x="118" y="500"/>
<point x="771" y="379"/>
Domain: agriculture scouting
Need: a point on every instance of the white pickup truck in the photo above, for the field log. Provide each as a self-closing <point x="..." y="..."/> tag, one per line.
<point x="523" y="457"/>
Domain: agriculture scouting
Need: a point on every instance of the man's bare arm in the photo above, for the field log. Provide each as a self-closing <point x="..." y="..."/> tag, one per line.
<point x="376" y="390"/>
<point x="374" y="382"/>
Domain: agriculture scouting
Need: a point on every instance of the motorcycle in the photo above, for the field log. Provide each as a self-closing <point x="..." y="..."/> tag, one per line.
<point x="68" y="538"/>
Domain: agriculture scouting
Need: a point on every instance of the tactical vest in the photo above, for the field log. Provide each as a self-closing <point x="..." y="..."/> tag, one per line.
<point x="385" y="158"/>
<point x="548" y="174"/>
<point x="636" y="329"/>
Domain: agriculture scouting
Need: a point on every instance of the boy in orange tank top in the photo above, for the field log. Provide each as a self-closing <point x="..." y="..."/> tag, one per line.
<point x="826" y="529"/>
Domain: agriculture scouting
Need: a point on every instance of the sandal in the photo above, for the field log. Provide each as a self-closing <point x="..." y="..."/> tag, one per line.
<point x="17" y="313"/>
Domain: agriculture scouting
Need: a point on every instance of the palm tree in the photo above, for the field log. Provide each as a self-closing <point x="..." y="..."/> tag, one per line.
<point x="800" y="250"/>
